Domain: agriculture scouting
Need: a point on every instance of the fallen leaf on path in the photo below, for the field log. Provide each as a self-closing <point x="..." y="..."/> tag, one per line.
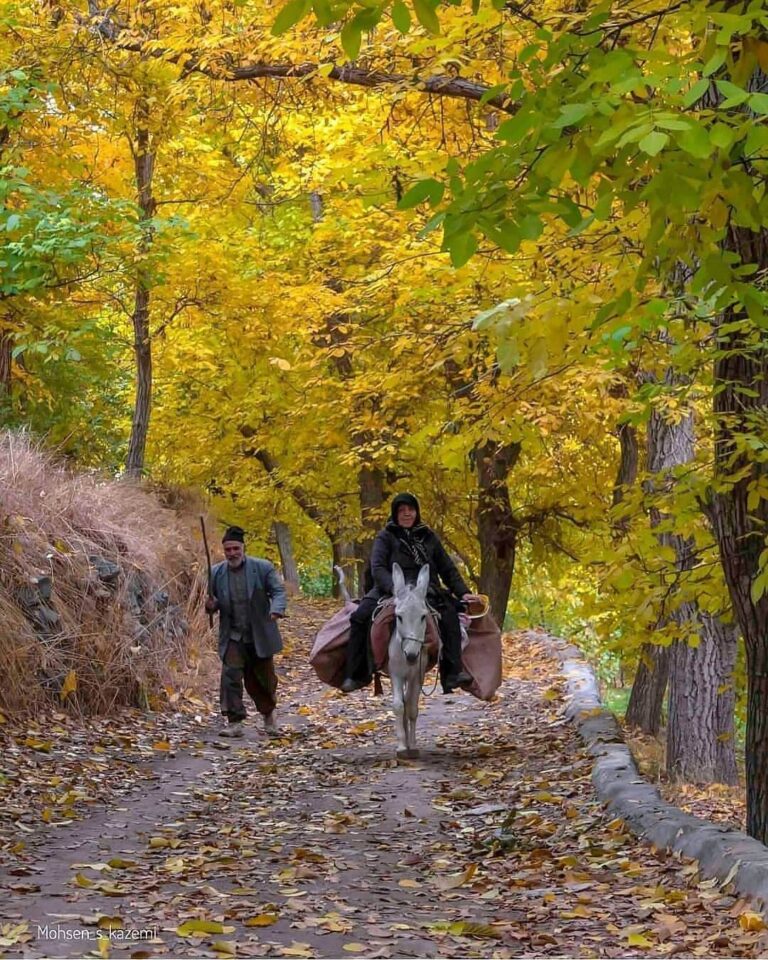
<point x="261" y="920"/>
<point x="456" y="880"/>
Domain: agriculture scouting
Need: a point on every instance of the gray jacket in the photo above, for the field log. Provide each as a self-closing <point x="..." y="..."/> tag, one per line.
<point x="267" y="596"/>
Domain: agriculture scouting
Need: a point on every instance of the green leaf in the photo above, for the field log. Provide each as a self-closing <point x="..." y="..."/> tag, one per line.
<point x="431" y="190"/>
<point x="289" y="16"/>
<point x="12" y="222"/>
<point x="758" y="102"/>
<point x="721" y="135"/>
<point x="714" y="63"/>
<point x="323" y="12"/>
<point x="461" y="248"/>
<point x="426" y="15"/>
<point x="696" y="92"/>
<point x="571" y="114"/>
<point x="351" y="39"/>
<point x="734" y="95"/>
<point x="695" y="141"/>
<point x="492" y="92"/>
<point x="400" y="16"/>
<point x="654" y="143"/>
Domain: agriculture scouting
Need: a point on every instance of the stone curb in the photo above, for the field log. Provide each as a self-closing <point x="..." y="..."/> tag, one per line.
<point x="722" y="852"/>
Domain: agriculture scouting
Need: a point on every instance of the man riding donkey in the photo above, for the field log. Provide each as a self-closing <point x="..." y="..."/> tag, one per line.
<point x="407" y="541"/>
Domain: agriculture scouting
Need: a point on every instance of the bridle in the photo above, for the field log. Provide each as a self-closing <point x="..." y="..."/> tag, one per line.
<point x="421" y="642"/>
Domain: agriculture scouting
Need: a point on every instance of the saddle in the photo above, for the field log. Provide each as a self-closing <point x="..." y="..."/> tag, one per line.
<point x="381" y="633"/>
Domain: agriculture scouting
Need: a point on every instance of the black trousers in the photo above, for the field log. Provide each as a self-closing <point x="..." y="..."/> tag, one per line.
<point x="360" y="659"/>
<point x="241" y="667"/>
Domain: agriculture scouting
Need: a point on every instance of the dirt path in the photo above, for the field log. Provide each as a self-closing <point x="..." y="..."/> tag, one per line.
<point x="320" y="844"/>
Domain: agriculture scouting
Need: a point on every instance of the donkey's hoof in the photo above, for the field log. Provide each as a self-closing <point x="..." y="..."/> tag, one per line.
<point x="407" y="754"/>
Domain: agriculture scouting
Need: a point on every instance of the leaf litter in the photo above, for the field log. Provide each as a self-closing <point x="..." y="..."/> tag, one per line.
<point x="318" y="844"/>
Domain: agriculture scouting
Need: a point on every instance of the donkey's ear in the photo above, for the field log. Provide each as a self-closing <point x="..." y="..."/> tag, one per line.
<point x="422" y="583"/>
<point x="398" y="580"/>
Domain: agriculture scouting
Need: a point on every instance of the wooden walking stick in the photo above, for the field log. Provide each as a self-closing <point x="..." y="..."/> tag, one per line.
<point x="208" y="558"/>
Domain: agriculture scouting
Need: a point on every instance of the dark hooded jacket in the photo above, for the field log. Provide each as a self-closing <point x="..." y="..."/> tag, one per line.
<point x="412" y="548"/>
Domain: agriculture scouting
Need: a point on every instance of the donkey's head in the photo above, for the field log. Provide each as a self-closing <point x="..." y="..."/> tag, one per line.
<point x="411" y="611"/>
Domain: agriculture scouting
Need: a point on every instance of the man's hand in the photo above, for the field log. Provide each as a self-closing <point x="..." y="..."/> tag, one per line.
<point x="211" y="604"/>
<point x="471" y="597"/>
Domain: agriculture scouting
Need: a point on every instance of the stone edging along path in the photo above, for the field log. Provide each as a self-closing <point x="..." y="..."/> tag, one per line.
<point x="722" y="852"/>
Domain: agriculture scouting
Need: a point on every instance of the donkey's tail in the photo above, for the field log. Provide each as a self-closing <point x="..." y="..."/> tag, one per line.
<point x="342" y="584"/>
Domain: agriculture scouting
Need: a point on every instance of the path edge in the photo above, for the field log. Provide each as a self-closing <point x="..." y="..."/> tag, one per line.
<point x="722" y="852"/>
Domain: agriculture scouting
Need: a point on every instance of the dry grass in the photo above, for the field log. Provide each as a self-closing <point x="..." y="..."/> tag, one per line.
<point x="52" y="521"/>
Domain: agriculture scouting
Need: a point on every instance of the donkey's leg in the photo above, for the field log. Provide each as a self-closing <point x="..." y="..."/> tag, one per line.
<point x="412" y="693"/>
<point x="398" y="708"/>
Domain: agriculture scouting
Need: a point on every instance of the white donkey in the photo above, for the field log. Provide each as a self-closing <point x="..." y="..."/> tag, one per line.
<point x="408" y="656"/>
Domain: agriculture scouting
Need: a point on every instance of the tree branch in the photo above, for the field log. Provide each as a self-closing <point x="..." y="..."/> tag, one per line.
<point x="440" y="85"/>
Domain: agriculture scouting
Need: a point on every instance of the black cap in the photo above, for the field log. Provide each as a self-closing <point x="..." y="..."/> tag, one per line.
<point x="234" y="533"/>
<point x="405" y="499"/>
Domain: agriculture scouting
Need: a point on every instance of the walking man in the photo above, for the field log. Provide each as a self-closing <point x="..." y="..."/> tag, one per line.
<point x="249" y="597"/>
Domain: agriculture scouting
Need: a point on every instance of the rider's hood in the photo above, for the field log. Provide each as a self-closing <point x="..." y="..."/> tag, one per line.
<point x="409" y="500"/>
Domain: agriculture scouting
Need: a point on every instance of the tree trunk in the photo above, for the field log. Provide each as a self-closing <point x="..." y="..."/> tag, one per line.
<point x="647" y="696"/>
<point x="144" y="165"/>
<point x="496" y="527"/>
<point x="700" y="747"/>
<point x="694" y="752"/>
<point x="371" y="485"/>
<point x="344" y="557"/>
<point x="727" y="641"/>
<point x="740" y="404"/>
<point x="6" y="347"/>
<point x="285" y="546"/>
<point x="626" y="475"/>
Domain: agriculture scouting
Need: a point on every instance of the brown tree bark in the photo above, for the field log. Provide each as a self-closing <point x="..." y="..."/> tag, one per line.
<point x="700" y="736"/>
<point x="695" y="752"/>
<point x="626" y="474"/>
<point x="646" y="698"/>
<point x="371" y="486"/>
<point x="6" y="348"/>
<point x="497" y="529"/>
<point x="284" y="542"/>
<point x="144" y="166"/>
<point x="741" y="408"/>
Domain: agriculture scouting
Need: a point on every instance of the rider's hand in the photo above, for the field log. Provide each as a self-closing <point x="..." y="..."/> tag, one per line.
<point x="211" y="604"/>
<point x="470" y="597"/>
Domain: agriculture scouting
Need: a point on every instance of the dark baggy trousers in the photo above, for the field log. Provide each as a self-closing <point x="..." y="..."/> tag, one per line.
<point x="360" y="660"/>
<point x="242" y="666"/>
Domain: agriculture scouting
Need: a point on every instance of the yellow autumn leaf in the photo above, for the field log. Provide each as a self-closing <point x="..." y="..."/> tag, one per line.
<point x="639" y="940"/>
<point x="191" y="927"/>
<point x="262" y="920"/>
<point x="226" y="948"/>
<point x="366" y="727"/>
<point x="69" y="686"/>
<point x="751" y="921"/>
